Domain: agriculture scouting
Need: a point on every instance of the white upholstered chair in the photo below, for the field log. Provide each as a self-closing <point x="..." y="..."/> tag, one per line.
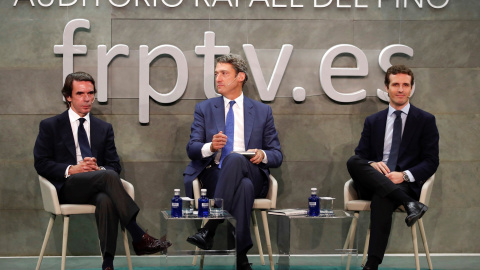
<point x="353" y="203"/>
<point x="52" y="205"/>
<point x="262" y="205"/>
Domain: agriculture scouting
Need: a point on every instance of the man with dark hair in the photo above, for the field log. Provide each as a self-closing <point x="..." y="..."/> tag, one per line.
<point x="76" y="152"/>
<point x="221" y="125"/>
<point x="397" y="153"/>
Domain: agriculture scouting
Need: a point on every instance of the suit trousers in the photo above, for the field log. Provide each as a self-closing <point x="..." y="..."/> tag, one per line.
<point x="238" y="182"/>
<point x="105" y="190"/>
<point x="373" y="185"/>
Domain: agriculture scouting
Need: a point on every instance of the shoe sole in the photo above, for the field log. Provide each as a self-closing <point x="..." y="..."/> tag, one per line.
<point x="200" y="246"/>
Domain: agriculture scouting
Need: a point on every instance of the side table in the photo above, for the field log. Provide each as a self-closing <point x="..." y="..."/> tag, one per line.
<point x="181" y="253"/>
<point x="315" y="241"/>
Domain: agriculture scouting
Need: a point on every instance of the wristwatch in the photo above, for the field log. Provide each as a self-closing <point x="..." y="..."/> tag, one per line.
<point x="405" y="177"/>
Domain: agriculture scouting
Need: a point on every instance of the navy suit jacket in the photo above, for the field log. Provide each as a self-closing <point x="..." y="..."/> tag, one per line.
<point x="209" y="119"/>
<point x="54" y="148"/>
<point x="418" y="149"/>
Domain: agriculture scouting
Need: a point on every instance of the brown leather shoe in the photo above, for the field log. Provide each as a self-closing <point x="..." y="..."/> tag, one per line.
<point x="150" y="245"/>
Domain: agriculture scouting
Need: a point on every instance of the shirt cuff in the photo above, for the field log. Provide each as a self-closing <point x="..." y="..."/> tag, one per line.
<point x="206" y="150"/>
<point x="265" y="159"/>
<point x="410" y="176"/>
<point x="66" y="171"/>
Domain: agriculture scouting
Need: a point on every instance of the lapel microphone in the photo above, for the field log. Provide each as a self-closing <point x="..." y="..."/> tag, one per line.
<point x="232" y="81"/>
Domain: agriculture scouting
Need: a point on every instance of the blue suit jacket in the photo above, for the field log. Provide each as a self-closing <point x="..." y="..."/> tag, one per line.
<point x="54" y="148"/>
<point x="209" y="119"/>
<point x="418" y="149"/>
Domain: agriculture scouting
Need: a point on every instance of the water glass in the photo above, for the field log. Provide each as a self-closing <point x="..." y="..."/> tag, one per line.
<point x="187" y="206"/>
<point x="216" y="207"/>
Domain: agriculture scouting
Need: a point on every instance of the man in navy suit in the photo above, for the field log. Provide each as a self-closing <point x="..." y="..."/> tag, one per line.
<point x="392" y="164"/>
<point x="76" y="152"/>
<point x="235" y="178"/>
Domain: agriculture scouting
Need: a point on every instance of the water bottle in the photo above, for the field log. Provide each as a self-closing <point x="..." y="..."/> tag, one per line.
<point x="314" y="204"/>
<point x="203" y="207"/>
<point x="176" y="204"/>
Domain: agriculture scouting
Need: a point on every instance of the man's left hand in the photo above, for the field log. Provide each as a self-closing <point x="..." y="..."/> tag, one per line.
<point x="259" y="156"/>
<point x="91" y="162"/>
<point x="395" y="177"/>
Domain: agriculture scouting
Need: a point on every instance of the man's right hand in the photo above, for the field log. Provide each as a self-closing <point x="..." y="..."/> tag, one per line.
<point x="381" y="167"/>
<point x="218" y="142"/>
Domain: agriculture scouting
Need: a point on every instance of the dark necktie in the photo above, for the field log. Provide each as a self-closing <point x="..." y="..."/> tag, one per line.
<point x="83" y="140"/>
<point x="229" y="128"/>
<point x="396" y="140"/>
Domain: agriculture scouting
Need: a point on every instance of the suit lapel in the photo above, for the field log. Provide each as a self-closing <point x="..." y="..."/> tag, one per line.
<point x="381" y="124"/>
<point x="219" y="114"/>
<point x="409" y="130"/>
<point x="248" y="119"/>
<point x="67" y="134"/>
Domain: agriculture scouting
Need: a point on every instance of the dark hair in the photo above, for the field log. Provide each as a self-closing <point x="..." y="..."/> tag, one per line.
<point x="398" y="69"/>
<point x="237" y="62"/>
<point x="79" y="77"/>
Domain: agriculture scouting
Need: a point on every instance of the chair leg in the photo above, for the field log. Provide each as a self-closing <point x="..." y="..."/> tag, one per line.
<point x="194" y="262"/>
<point x="127" y="249"/>
<point x="351" y="237"/>
<point x="45" y="240"/>
<point x="415" y="246"/>
<point x="257" y="236"/>
<point x="66" y="220"/>
<point x="365" y="248"/>
<point x="267" y="238"/>
<point x="425" y="244"/>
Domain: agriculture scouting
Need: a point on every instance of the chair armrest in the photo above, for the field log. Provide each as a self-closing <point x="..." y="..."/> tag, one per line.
<point x="129" y="188"/>
<point x="272" y="192"/>
<point x="427" y="190"/>
<point x="196" y="191"/>
<point x="349" y="193"/>
<point x="49" y="196"/>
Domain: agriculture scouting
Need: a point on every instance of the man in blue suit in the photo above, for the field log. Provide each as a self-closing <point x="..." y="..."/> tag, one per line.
<point x="221" y="125"/>
<point x="76" y="152"/>
<point x="397" y="153"/>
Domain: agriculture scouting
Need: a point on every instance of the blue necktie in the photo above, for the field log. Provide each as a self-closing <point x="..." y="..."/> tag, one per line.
<point x="396" y="140"/>
<point x="83" y="140"/>
<point x="229" y="128"/>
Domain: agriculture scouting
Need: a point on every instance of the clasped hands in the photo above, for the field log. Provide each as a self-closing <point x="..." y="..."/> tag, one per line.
<point x="395" y="177"/>
<point x="88" y="164"/>
<point x="219" y="140"/>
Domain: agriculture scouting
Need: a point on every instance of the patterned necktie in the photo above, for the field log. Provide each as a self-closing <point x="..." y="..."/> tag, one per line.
<point x="229" y="128"/>
<point x="83" y="140"/>
<point x="396" y="140"/>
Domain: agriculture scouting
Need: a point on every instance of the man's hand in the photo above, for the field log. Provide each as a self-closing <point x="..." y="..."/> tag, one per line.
<point x="259" y="156"/>
<point x="218" y="142"/>
<point x="395" y="177"/>
<point x="381" y="167"/>
<point x="88" y="164"/>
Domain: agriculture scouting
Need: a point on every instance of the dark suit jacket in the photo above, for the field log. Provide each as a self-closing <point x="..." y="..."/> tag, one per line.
<point x="418" y="149"/>
<point x="209" y="119"/>
<point x="55" y="147"/>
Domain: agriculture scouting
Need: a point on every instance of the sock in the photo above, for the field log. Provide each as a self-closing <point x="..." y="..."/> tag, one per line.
<point x="107" y="261"/>
<point x="135" y="231"/>
<point x="400" y="196"/>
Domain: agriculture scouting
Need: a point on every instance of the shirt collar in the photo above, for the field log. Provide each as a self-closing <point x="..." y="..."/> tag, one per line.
<point x="74" y="116"/>
<point x="238" y="100"/>
<point x="405" y="109"/>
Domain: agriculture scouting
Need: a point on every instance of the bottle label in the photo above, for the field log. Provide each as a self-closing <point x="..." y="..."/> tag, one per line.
<point x="312" y="204"/>
<point x="175" y="205"/>
<point x="205" y="205"/>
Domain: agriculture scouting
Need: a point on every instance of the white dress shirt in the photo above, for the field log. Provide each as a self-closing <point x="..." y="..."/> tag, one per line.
<point x="74" y="122"/>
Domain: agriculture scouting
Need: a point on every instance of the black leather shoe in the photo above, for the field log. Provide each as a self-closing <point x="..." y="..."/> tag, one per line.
<point x="109" y="268"/>
<point x="150" y="245"/>
<point x="244" y="266"/>
<point x="370" y="268"/>
<point x="415" y="211"/>
<point x="202" y="239"/>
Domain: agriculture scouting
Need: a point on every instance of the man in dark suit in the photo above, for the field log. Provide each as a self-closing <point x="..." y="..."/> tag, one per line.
<point x="221" y="125"/>
<point x="397" y="153"/>
<point x="76" y="152"/>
